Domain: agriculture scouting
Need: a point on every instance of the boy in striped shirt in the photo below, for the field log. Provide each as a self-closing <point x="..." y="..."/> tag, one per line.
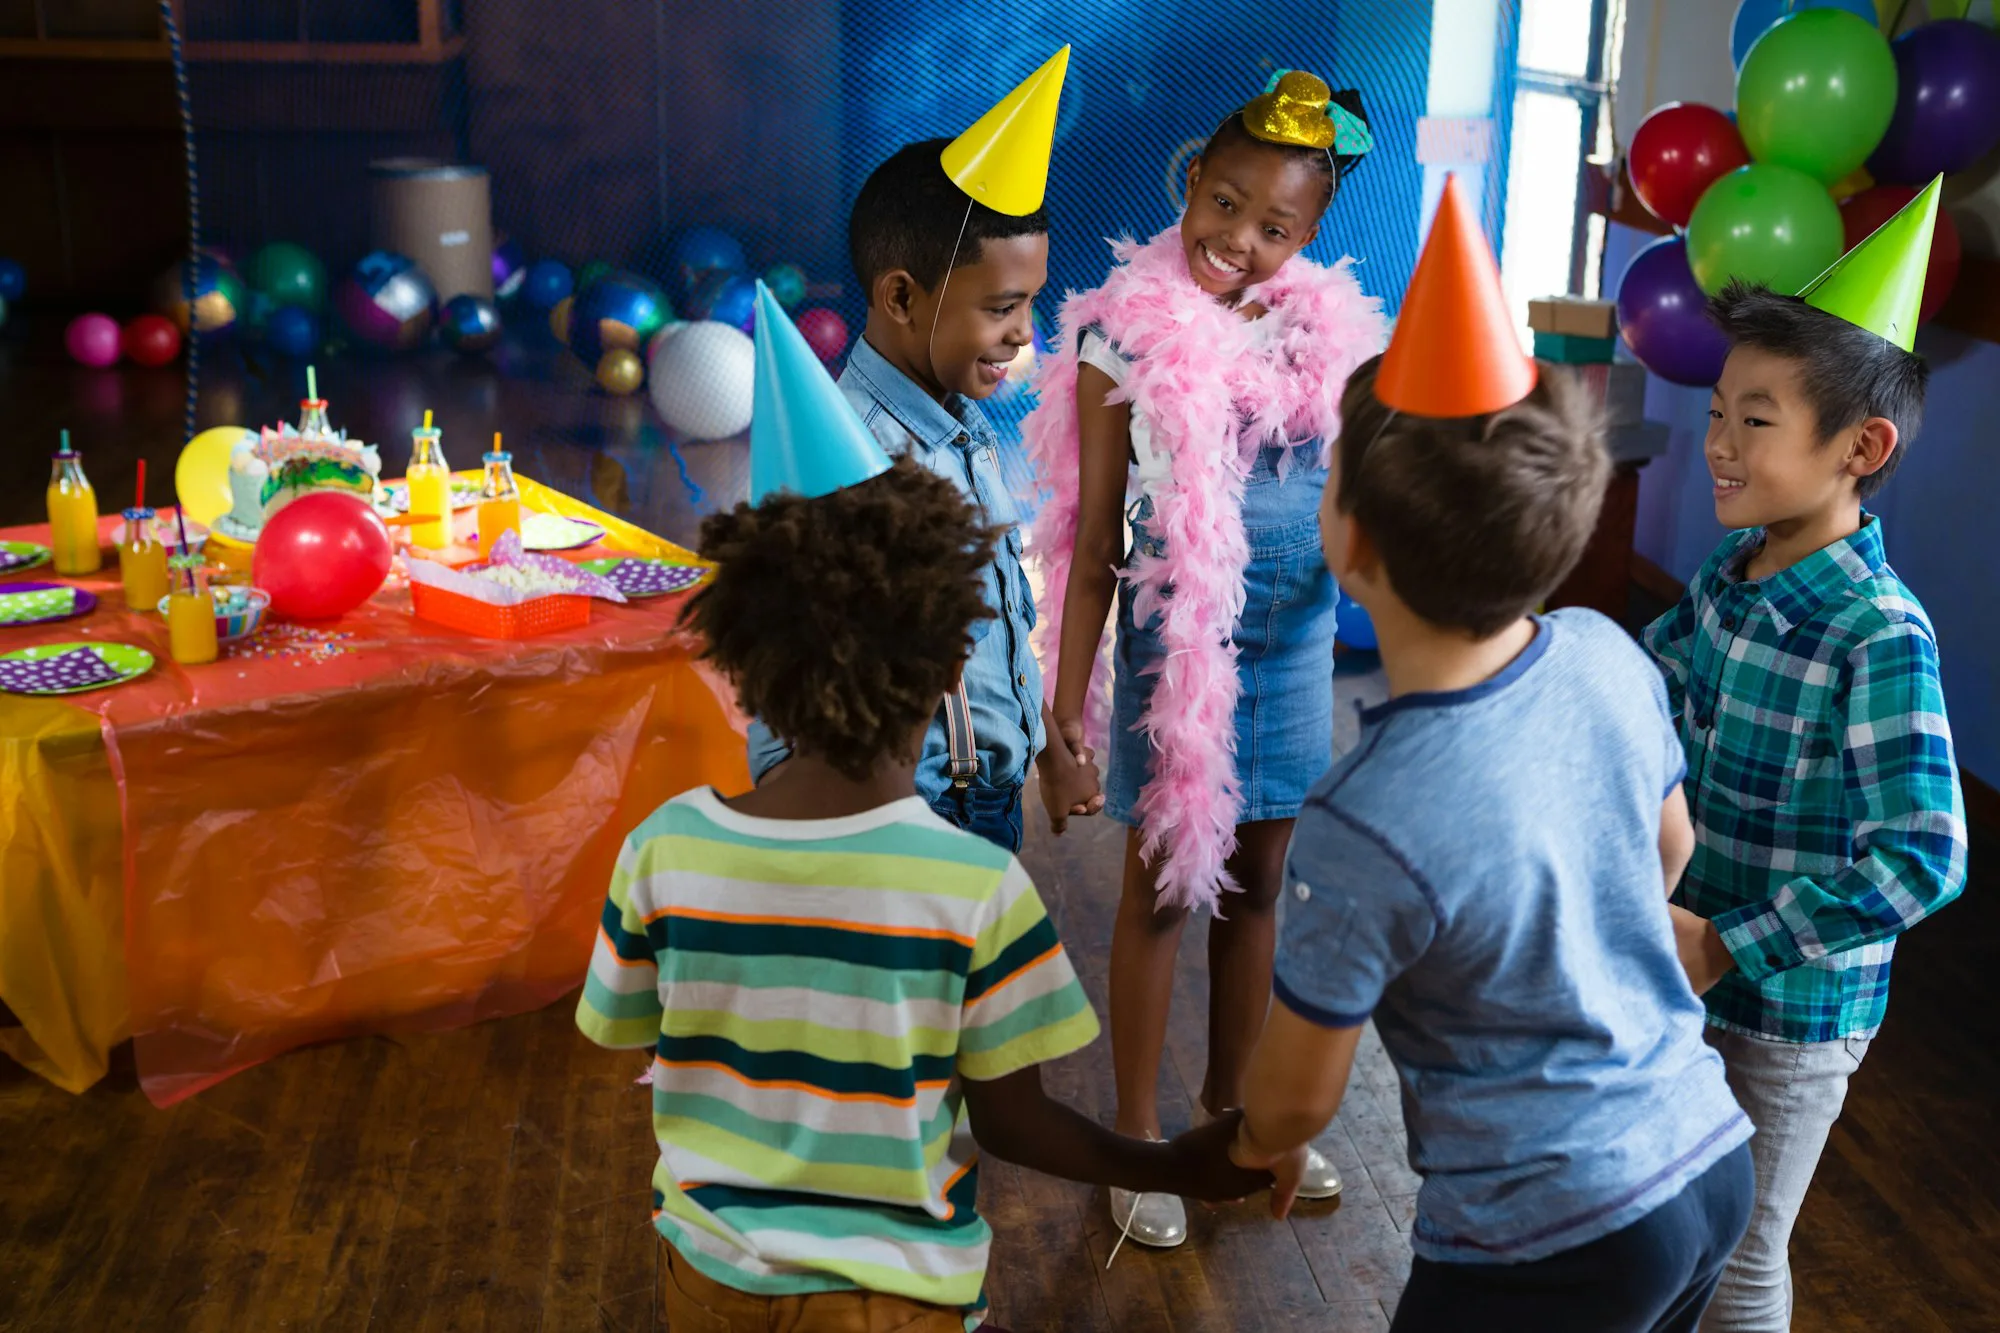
<point x="1804" y="678"/>
<point x="831" y="977"/>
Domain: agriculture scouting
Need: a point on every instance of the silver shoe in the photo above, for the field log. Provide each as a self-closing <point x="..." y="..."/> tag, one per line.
<point x="1158" y="1220"/>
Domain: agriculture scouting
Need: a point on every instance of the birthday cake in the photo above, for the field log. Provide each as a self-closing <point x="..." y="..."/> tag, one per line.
<point x="282" y="464"/>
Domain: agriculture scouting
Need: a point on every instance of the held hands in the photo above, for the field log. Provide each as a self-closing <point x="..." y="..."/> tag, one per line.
<point x="1700" y="946"/>
<point x="1208" y="1166"/>
<point x="1286" y="1168"/>
<point x="1068" y="770"/>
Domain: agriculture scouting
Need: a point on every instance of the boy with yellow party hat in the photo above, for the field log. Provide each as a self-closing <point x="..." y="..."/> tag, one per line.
<point x="950" y="244"/>
<point x="847" y="999"/>
<point x="1484" y="874"/>
<point x="1804" y="675"/>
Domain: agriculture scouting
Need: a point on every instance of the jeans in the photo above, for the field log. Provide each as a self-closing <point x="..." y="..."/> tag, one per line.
<point x="1792" y="1092"/>
<point x="1653" y="1276"/>
<point x="994" y="813"/>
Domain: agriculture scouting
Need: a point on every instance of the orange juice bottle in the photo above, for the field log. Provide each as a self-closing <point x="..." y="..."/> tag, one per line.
<point x="190" y="614"/>
<point x="499" y="500"/>
<point x="429" y="480"/>
<point x="142" y="562"/>
<point x="72" y="515"/>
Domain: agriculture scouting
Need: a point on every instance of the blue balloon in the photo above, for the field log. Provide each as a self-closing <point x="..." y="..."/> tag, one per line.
<point x="13" y="280"/>
<point x="1351" y="625"/>
<point x="726" y="298"/>
<point x="703" y="250"/>
<point x="469" y="324"/>
<point x="1754" y="18"/>
<point x="617" y="310"/>
<point x="292" y="331"/>
<point x="547" y="283"/>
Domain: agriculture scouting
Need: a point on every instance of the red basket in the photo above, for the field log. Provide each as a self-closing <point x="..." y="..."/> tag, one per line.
<point x="541" y="615"/>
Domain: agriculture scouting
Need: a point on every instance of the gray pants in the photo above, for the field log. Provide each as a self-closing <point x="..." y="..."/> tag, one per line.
<point x="1792" y="1093"/>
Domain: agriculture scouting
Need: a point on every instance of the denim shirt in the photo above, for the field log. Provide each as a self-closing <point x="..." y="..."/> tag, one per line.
<point x="1003" y="682"/>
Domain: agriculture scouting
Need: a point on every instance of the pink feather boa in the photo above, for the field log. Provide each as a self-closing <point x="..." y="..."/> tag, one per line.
<point x="1217" y="389"/>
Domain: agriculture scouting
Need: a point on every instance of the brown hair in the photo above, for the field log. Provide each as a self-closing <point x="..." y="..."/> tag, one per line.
<point x="843" y="619"/>
<point x="1477" y="519"/>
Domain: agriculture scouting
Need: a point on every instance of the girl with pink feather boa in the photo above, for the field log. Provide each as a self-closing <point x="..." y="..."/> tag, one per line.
<point x="1202" y="384"/>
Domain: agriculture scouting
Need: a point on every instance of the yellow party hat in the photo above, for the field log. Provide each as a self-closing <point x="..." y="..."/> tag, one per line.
<point x="1003" y="160"/>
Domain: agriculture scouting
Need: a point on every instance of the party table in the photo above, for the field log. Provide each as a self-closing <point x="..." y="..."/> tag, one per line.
<point x="371" y="826"/>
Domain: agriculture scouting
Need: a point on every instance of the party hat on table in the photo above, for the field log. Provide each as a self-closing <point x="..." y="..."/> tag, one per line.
<point x="1003" y="160"/>
<point x="1879" y="284"/>
<point x="1454" y="352"/>
<point x="804" y="435"/>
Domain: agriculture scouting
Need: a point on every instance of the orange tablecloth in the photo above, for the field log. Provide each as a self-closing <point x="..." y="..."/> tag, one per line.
<point x="404" y="827"/>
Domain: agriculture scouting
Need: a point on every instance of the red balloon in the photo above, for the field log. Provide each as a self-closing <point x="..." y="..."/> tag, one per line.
<point x="1862" y="213"/>
<point x="321" y="556"/>
<point x="824" y="331"/>
<point x="152" y="340"/>
<point x="1680" y="150"/>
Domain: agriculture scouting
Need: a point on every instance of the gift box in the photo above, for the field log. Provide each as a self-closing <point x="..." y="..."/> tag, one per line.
<point x="1569" y="349"/>
<point x="1574" y="316"/>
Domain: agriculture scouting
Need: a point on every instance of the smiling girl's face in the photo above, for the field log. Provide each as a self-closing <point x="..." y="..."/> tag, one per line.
<point x="1251" y="206"/>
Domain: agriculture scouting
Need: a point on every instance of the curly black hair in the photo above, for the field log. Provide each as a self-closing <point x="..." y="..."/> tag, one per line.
<point x="843" y="619"/>
<point x="909" y="215"/>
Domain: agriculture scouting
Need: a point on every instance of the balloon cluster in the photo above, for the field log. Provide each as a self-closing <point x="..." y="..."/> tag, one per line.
<point x="1834" y="129"/>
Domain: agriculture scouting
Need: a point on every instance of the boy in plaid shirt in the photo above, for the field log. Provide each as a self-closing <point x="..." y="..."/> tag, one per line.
<point x="1804" y="679"/>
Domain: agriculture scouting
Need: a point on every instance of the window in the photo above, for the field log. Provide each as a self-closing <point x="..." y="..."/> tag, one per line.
<point x="1566" y="58"/>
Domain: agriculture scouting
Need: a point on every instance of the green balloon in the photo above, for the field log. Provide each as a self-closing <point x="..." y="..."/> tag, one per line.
<point x="1765" y="224"/>
<point x="590" y="273"/>
<point x="289" y="274"/>
<point x="1816" y="93"/>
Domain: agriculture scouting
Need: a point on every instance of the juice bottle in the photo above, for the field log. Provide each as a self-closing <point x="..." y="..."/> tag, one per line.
<point x="429" y="480"/>
<point x="142" y="562"/>
<point x="72" y="515"/>
<point x="499" y="500"/>
<point x="190" y="614"/>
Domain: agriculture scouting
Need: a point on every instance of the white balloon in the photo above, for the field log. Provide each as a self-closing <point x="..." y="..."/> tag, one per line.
<point x="701" y="380"/>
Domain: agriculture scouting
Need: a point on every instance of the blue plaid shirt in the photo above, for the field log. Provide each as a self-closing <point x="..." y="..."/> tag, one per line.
<point x="1827" y="813"/>
<point x="1003" y="681"/>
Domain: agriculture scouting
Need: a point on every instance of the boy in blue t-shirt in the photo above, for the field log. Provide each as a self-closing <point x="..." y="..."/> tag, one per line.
<point x="1485" y="876"/>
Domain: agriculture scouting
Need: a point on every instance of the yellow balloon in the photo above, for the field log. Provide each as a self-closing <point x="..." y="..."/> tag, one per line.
<point x="201" y="477"/>
<point x="559" y="321"/>
<point x="619" y="371"/>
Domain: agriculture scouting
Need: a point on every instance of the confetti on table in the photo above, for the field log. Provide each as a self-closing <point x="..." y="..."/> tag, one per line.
<point x="72" y="670"/>
<point x="297" y="644"/>
<point x="18" y="607"/>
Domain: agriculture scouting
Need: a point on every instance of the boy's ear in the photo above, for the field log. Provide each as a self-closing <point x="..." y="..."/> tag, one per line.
<point x="896" y="293"/>
<point x="1874" y="444"/>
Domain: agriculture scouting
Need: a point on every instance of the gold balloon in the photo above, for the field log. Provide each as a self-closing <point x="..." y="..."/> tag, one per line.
<point x="559" y="321"/>
<point x="619" y="371"/>
<point x="1293" y="112"/>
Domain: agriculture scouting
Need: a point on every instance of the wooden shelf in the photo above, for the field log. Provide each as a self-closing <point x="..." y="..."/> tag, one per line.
<point x="326" y="53"/>
<point x="82" y="48"/>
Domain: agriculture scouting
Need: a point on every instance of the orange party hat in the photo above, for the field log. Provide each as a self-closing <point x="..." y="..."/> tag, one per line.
<point x="1455" y="352"/>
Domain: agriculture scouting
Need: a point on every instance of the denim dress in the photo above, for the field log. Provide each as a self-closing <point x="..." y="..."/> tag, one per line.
<point x="1284" y="646"/>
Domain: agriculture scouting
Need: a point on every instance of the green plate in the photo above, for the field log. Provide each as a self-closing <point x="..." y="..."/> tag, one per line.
<point x="38" y="555"/>
<point x="130" y="663"/>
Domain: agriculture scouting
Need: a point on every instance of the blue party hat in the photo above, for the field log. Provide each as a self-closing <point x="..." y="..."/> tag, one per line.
<point x="804" y="435"/>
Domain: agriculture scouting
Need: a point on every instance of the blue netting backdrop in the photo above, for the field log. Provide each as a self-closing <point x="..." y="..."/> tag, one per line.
<point x="609" y="130"/>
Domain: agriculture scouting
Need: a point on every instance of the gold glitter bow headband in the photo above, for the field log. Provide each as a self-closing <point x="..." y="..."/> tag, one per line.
<point x="1298" y="108"/>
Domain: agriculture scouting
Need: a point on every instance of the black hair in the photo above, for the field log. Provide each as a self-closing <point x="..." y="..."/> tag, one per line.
<point x="842" y="619"/>
<point x="908" y="216"/>
<point x="1333" y="168"/>
<point x="1848" y="374"/>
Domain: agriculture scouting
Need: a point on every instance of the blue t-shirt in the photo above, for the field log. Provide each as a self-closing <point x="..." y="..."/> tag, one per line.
<point x="1481" y="873"/>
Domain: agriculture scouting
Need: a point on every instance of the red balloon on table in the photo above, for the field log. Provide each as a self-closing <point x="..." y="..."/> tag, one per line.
<point x="1862" y="213"/>
<point x="321" y="556"/>
<point x="151" y="340"/>
<point x="1680" y="150"/>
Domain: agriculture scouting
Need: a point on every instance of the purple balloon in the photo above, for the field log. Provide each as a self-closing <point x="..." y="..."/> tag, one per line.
<point x="1947" y="103"/>
<point x="1664" y="316"/>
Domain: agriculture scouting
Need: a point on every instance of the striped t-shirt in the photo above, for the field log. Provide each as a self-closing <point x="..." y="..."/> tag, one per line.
<point x="814" y="991"/>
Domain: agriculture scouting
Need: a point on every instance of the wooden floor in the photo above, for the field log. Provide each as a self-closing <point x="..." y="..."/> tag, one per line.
<point x="496" y="1178"/>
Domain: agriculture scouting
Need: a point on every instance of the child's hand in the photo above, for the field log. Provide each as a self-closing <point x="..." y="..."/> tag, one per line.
<point x="1208" y="1166"/>
<point x="1699" y="944"/>
<point x="1287" y="1168"/>
<point x="1068" y="770"/>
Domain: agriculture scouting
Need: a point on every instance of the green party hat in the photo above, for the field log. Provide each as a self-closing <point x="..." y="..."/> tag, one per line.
<point x="1879" y="284"/>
